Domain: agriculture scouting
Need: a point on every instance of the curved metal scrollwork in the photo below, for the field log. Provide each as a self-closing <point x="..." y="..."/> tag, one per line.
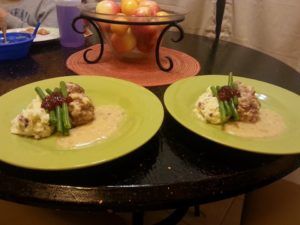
<point x="181" y="36"/>
<point x="96" y="28"/>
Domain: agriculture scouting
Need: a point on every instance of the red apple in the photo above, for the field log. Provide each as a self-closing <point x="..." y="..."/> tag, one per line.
<point x="108" y="7"/>
<point x="146" y="45"/>
<point x="141" y="14"/>
<point x="143" y="11"/>
<point x="146" y="36"/>
<point x="154" y="7"/>
<point x="143" y="31"/>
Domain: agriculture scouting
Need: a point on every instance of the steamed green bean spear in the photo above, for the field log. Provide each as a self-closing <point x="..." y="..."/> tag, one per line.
<point x="53" y="118"/>
<point x="56" y="104"/>
<point x="228" y="99"/>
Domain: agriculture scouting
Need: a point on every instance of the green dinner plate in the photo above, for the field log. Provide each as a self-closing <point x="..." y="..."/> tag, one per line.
<point x="181" y="96"/>
<point x="144" y="116"/>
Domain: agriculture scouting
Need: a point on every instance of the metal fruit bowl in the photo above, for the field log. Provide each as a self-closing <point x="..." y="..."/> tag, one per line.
<point x="133" y="37"/>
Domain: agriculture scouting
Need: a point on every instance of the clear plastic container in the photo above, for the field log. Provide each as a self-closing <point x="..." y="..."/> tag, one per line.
<point x="67" y="10"/>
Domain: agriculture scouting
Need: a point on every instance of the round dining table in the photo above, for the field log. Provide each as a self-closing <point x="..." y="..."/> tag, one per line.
<point x="176" y="169"/>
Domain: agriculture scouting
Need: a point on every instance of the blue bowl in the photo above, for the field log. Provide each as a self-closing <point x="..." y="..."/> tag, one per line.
<point x="17" y="46"/>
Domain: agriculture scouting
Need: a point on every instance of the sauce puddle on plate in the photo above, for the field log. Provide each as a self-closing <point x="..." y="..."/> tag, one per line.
<point x="107" y="121"/>
<point x="270" y="124"/>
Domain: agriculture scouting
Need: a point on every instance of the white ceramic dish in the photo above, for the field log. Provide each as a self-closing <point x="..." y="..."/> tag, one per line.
<point x="53" y="33"/>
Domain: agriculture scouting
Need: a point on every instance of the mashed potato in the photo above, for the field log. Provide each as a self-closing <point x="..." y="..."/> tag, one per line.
<point x="32" y="121"/>
<point x="207" y="107"/>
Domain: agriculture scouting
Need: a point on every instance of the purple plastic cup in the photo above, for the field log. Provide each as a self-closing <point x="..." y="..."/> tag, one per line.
<point x="67" y="10"/>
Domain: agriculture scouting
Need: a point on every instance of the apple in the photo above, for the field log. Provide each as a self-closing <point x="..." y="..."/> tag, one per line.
<point x="108" y="7"/>
<point x="123" y="43"/>
<point x="163" y="16"/>
<point x="146" y="36"/>
<point x="154" y="7"/>
<point x="129" y="6"/>
<point x="119" y="29"/>
<point x="143" y="11"/>
<point x="143" y="31"/>
<point x="146" y="45"/>
<point x="141" y="14"/>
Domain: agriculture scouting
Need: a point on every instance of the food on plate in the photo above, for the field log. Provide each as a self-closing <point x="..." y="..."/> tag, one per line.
<point x="237" y="107"/>
<point x="58" y="110"/>
<point x="207" y="107"/>
<point x="81" y="108"/>
<point x="68" y="111"/>
<point x="41" y="31"/>
<point x="219" y="104"/>
<point x="32" y="121"/>
<point x="108" y="119"/>
<point x="269" y="124"/>
<point x="126" y="38"/>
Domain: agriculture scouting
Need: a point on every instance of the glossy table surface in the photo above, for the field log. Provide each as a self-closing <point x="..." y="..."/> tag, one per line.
<point x="175" y="168"/>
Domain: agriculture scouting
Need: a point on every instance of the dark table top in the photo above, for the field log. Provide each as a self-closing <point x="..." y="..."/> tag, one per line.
<point x="175" y="168"/>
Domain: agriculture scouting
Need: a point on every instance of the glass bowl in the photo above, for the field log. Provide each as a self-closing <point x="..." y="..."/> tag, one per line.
<point x="136" y="35"/>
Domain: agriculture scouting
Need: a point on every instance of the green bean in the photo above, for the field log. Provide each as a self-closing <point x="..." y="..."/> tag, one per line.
<point x="57" y="90"/>
<point x="59" y="124"/>
<point x="40" y="93"/>
<point x="53" y="119"/>
<point x="49" y="91"/>
<point x="214" y="91"/>
<point x="65" y="130"/>
<point x="228" y="109"/>
<point x="63" y="88"/>
<point x="235" y="100"/>
<point x="65" y="116"/>
<point x="235" y="114"/>
<point x="52" y="116"/>
<point x="230" y="79"/>
<point x="222" y="111"/>
<point x="65" y="110"/>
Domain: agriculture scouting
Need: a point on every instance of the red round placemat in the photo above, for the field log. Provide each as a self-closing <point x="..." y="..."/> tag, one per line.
<point x="143" y="72"/>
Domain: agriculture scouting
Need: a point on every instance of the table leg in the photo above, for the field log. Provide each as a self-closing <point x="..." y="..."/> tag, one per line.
<point x="197" y="210"/>
<point x="219" y="16"/>
<point x="175" y="217"/>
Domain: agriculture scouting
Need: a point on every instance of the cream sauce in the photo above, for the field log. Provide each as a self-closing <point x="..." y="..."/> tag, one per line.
<point x="269" y="124"/>
<point x="107" y="121"/>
